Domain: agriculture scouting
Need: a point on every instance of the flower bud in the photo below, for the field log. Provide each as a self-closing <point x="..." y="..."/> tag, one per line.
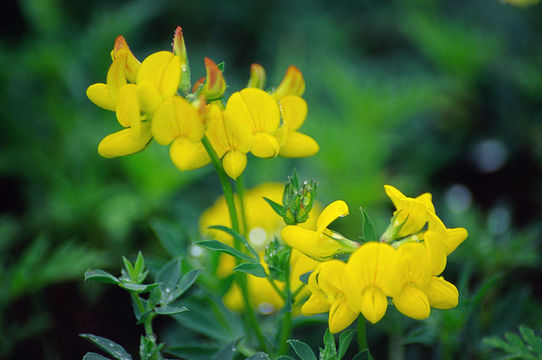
<point x="179" y="49"/>
<point x="132" y="64"/>
<point x="298" y="200"/>
<point x="292" y="84"/>
<point x="215" y="85"/>
<point x="257" y="76"/>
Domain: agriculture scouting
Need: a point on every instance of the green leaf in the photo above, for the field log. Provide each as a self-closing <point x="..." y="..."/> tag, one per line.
<point x="302" y="350"/>
<point x="259" y="356"/>
<point x="168" y="278"/>
<point x="251" y="268"/>
<point x="110" y="347"/>
<point x="193" y="351"/>
<point x="531" y="338"/>
<point x="227" y="352"/>
<point x="220" y="247"/>
<point x="170" y="310"/>
<point x="284" y="357"/>
<point x="170" y="237"/>
<point x="238" y="237"/>
<point x="101" y="276"/>
<point x="367" y="227"/>
<point x="330" y="350"/>
<point x="275" y="206"/>
<point x="137" y="287"/>
<point x="94" y="356"/>
<point x="186" y="282"/>
<point x="128" y="266"/>
<point x="344" y="342"/>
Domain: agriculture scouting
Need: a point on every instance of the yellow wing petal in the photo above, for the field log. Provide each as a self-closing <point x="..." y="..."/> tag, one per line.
<point x="187" y="154"/>
<point x="234" y="163"/>
<point x="294" y="111"/>
<point x="100" y="95"/>
<point x="413" y="303"/>
<point x="125" y="142"/>
<point x="265" y="145"/>
<point x="340" y="315"/>
<point x="127" y="109"/>
<point x="441" y="293"/>
<point x="373" y="304"/>
<point x="298" y="145"/>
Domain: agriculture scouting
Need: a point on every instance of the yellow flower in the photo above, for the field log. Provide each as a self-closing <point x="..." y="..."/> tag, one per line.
<point x="292" y="84"/>
<point x="411" y="214"/>
<point x="328" y="294"/>
<point x="230" y="137"/>
<point x="178" y="123"/>
<point x="320" y="244"/>
<point x="138" y="133"/>
<point x="106" y="95"/>
<point x="132" y="64"/>
<point x="261" y="113"/>
<point x="294" y="111"/>
<point x="367" y="290"/>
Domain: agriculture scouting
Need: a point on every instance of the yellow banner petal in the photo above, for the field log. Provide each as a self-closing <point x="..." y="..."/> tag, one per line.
<point x="161" y="71"/>
<point x="263" y="110"/>
<point x="174" y="118"/>
<point x="372" y="264"/>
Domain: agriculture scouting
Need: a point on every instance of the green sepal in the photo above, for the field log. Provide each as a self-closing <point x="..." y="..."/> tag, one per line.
<point x="367" y="227"/>
<point x="277" y="208"/>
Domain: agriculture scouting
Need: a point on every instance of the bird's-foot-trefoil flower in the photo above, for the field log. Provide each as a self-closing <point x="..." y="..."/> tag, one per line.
<point x="371" y="265"/>
<point x="260" y="111"/>
<point x="292" y="84"/>
<point x="177" y="122"/>
<point x="132" y="64"/>
<point x="231" y="138"/>
<point x="138" y="133"/>
<point x="321" y="244"/>
<point x="328" y="293"/>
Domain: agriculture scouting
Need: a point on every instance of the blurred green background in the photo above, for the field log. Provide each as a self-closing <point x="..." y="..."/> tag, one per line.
<point x="426" y="95"/>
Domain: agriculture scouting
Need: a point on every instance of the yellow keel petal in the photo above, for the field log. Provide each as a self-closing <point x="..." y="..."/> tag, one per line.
<point x="299" y="145"/>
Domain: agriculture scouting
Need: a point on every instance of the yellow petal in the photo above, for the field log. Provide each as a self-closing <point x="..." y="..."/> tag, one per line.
<point x="161" y="71"/>
<point x="426" y="198"/>
<point x="238" y="133"/>
<point x="100" y="95"/>
<point x="234" y="163"/>
<point x="373" y="304"/>
<point x="316" y="304"/>
<point x="292" y="84"/>
<point x="350" y="286"/>
<point x="265" y="145"/>
<point x="333" y="211"/>
<point x="294" y="111"/>
<point x="435" y="252"/>
<point x="116" y="76"/>
<point x="263" y="110"/>
<point x="149" y="99"/>
<point x="454" y="237"/>
<point x="125" y="142"/>
<point x="413" y="212"/>
<point x="340" y="315"/>
<point x="187" y="154"/>
<point x="132" y="64"/>
<point x="127" y="109"/>
<point x="412" y="302"/>
<point x="298" y="145"/>
<point x="176" y="118"/>
<point x="441" y="293"/>
<point x="372" y="263"/>
<point x="310" y="243"/>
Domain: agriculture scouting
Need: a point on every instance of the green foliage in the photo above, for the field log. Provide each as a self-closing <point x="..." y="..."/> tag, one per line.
<point x="528" y="346"/>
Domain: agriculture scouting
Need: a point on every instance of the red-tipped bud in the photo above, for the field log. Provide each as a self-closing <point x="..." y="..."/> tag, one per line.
<point x="198" y="84"/>
<point x="257" y="76"/>
<point x="179" y="49"/>
<point x="215" y="85"/>
<point x="292" y="84"/>
<point x="132" y="64"/>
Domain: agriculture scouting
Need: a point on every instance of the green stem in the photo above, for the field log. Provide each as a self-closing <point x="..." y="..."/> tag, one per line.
<point x="226" y="185"/>
<point x="240" y="278"/>
<point x="362" y="338"/>
<point x="240" y="188"/>
<point x="286" y="329"/>
<point x="147" y="322"/>
<point x="274" y="286"/>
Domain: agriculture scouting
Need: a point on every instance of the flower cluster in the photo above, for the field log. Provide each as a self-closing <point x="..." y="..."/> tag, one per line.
<point x="155" y="99"/>
<point x="405" y="265"/>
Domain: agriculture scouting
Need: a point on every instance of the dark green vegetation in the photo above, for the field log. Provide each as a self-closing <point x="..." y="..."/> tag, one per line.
<point x="440" y="96"/>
